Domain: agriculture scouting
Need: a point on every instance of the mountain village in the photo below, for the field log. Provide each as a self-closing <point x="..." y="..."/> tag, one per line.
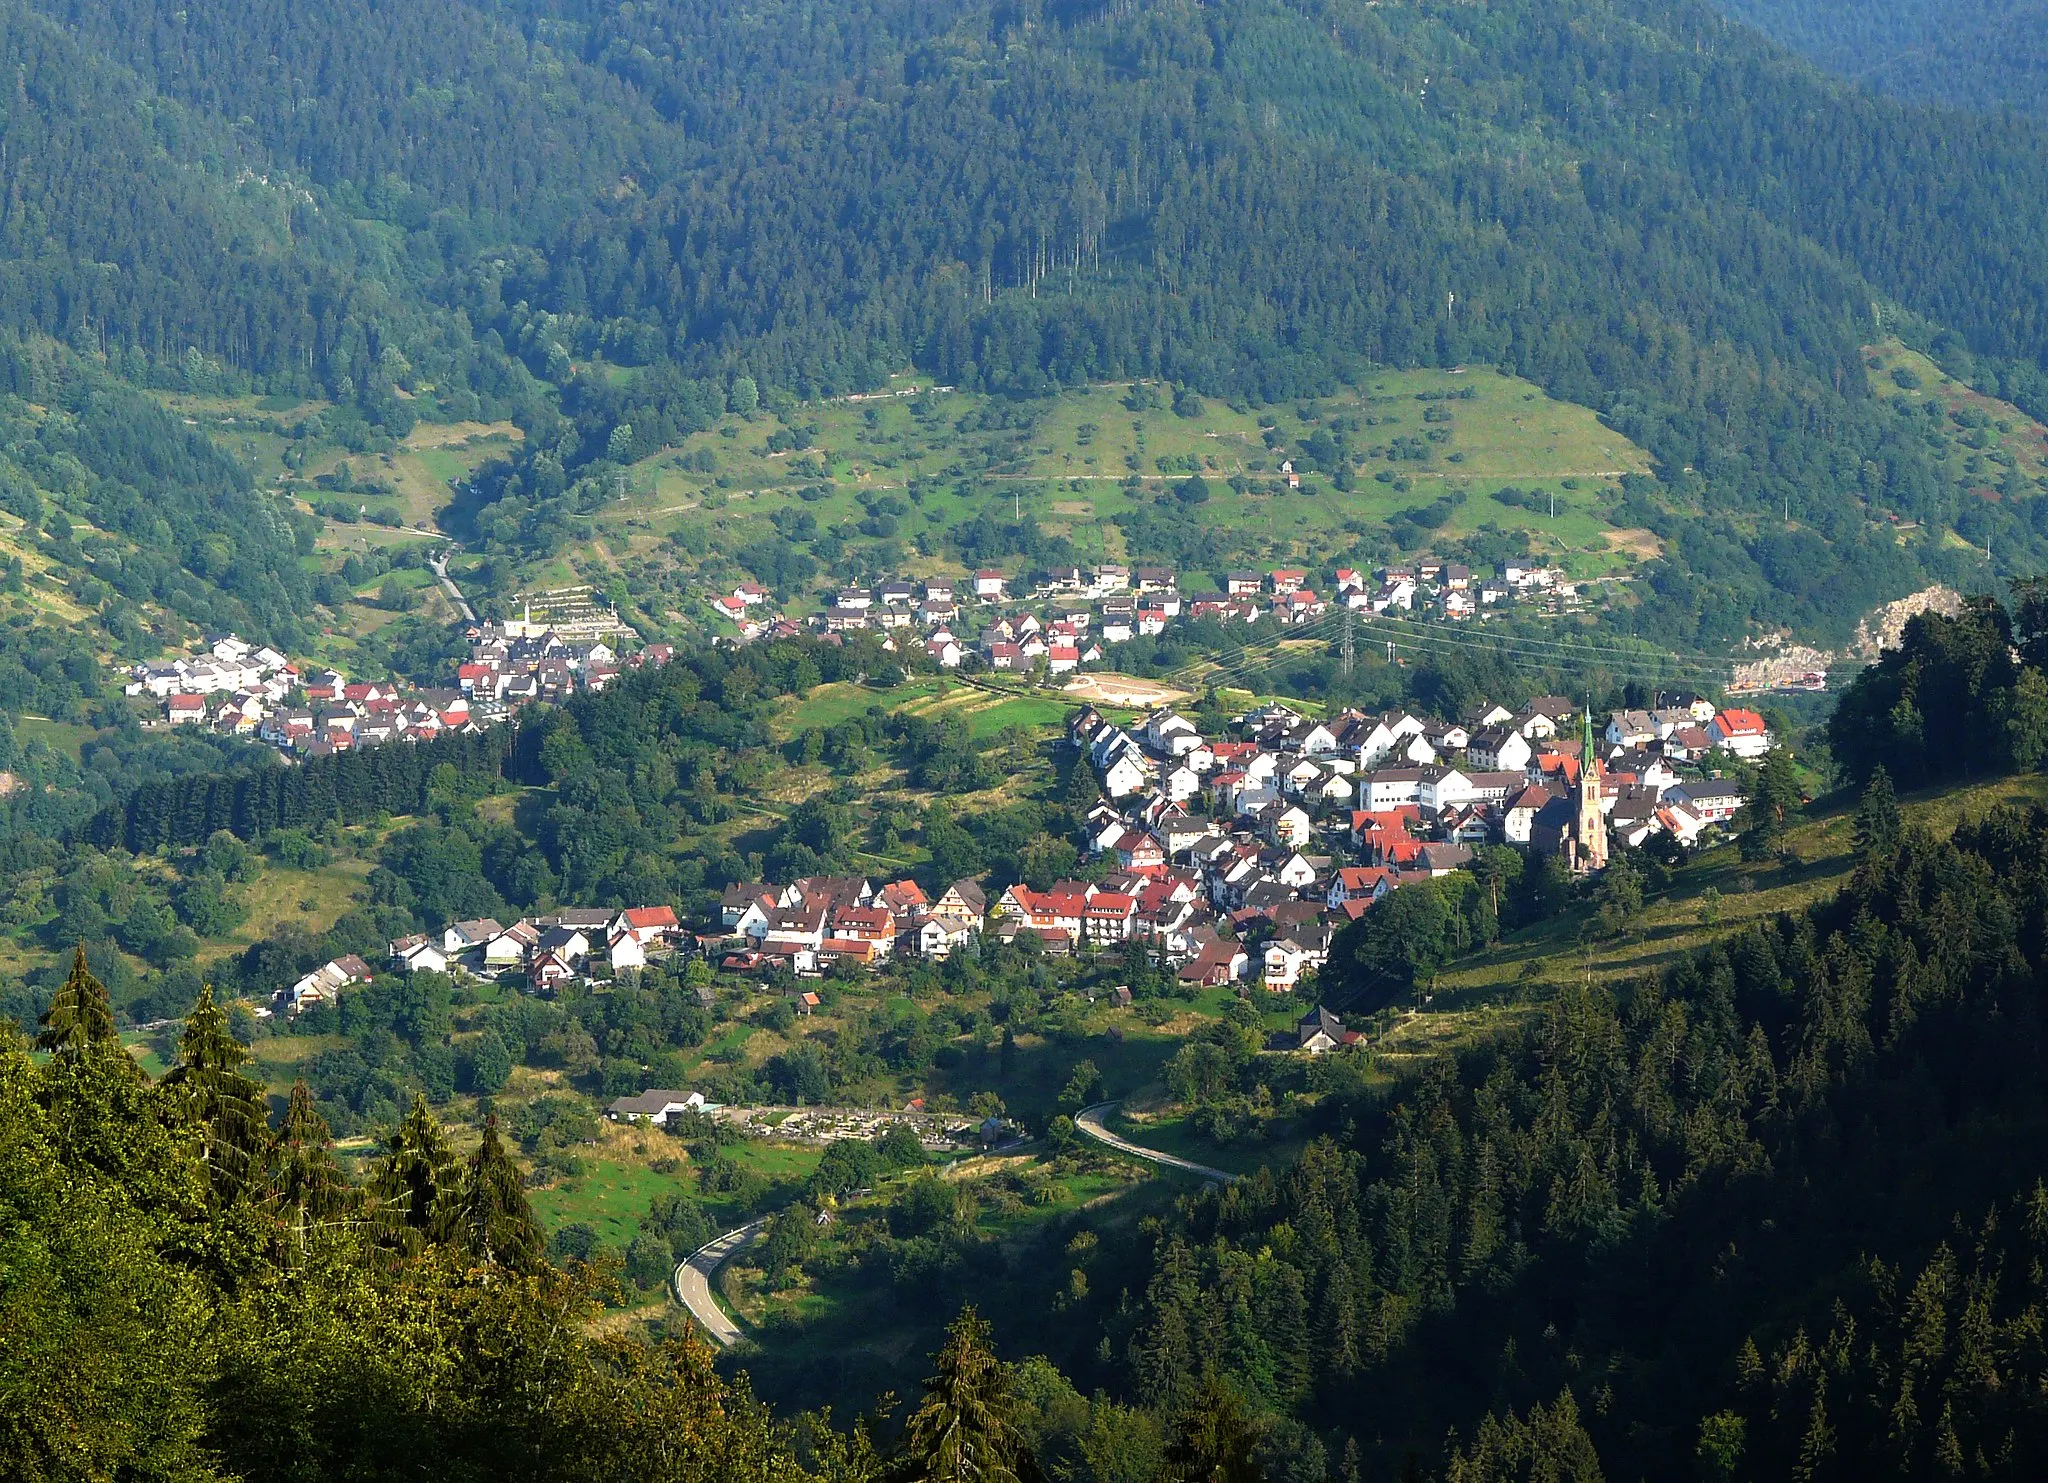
<point x="1234" y="860"/>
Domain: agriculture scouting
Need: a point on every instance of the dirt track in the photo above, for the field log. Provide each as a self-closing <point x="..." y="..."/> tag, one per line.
<point x="1106" y="689"/>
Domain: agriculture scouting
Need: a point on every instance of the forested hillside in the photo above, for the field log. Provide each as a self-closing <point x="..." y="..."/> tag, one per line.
<point x="599" y="220"/>
<point x="1980" y="54"/>
<point x="1776" y="1213"/>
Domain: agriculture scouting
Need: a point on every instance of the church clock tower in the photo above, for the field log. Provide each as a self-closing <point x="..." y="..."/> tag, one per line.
<point x="1587" y="850"/>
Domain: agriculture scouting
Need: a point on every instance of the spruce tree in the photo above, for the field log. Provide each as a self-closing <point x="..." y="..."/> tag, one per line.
<point x="1775" y="799"/>
<point x="80" y="1017"/>
<point x="1213" y="1439"/>
<point x="1879" y="825"/>
<point x="210" y="1093"/>
<point x="417" y="1183"/>
<point x="490" y="1218"/>
<point x="97" y="1096"/>
<point x="964" y="1431"/>
<point x="306" y="1184"/>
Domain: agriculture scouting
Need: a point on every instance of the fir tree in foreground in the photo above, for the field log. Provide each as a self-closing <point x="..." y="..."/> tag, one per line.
<point x="964" y="1431"/>
<point x="212" y="1096"/>
<point x="491" y="1218"/>
<point x="418" y="1181"/>
<point x="80" y="1017"/>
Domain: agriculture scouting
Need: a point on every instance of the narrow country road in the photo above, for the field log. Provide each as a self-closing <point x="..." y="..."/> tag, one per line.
<point x="1090" y="1121"/>
<point x="439" y="565"/>
<point x="693" y="1282"/>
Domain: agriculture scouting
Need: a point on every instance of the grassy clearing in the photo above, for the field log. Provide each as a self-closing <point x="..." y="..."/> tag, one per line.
<point x="1172" y="1133"/>
<point x="313" y="899"/>
<point x="2003" y="438"/>
<point x="58" y="736"/>
<point x="275" y="1062"/>
<point x="611" y="1197"/>
<point x="145" y="1055"/>
<point x="1028" y="712"/>
<point x="828" y="705"/>
<point x="618" y="1186"/>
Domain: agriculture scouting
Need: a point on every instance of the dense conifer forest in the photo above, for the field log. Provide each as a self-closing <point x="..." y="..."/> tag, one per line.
<point x="1980" y="54"/>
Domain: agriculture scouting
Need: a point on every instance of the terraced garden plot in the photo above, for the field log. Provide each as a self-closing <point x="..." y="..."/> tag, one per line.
<point x="1065" y="462"/>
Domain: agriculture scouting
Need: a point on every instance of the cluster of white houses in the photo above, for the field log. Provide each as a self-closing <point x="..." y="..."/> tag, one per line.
<point x="550" y="950"/>
<point x="514" y="663"/>
<point x="814" y="923"/>
<point x="1068" y="617"/>
<point x="240" y="689"/>
<point x="1242" y="856"/>
<point x="1238" y="860"/>
<point x="237" y="688"/>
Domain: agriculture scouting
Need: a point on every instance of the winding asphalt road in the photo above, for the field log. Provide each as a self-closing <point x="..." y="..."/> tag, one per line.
<point x="1090" y="1121"/>
<point x="693" y="1281"/>
<point x="439" y="566"/>
<point x="693" y="1277"/>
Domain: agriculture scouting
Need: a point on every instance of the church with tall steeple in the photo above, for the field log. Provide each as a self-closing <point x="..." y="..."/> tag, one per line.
<point x="1586" y="848"/>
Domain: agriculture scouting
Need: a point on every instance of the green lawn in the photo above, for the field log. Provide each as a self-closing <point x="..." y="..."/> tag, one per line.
<point x="611" y="1197"/>
<point x="145" y="1057"/>
<point x="1029" y="712"/>
<point x="828" y="705"/>
<point x="277" y="897"/>
<point x="58" y="736"/>
<point x="614" y="1193"/>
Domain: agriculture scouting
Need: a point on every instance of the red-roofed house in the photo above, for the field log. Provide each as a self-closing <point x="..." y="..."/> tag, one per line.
<point x="647" y="923"/>
<point x="852" y="949"/>
<point x="1139" y="853"/>
<point x="1108" y="916"/>
<point x="900" y="898"/>
<point x="1559" y="770"/>
<point x="1366" y="883"/>
<point x="1742" y="733"/>
<point x="1059" y="911"/>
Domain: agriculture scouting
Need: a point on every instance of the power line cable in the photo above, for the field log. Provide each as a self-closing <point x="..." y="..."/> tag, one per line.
<point x="1548" y="652"/>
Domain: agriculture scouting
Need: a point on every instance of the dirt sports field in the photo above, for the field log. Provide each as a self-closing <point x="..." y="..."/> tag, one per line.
<point x="1122" y="690"/>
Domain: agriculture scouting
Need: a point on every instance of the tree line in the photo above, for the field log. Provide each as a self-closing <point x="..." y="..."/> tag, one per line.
<point x="352" y="787"/>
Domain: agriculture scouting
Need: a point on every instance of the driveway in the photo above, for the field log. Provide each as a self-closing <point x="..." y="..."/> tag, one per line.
<point x="693" y="1281"/>
<point x="1090" y="1120"/>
